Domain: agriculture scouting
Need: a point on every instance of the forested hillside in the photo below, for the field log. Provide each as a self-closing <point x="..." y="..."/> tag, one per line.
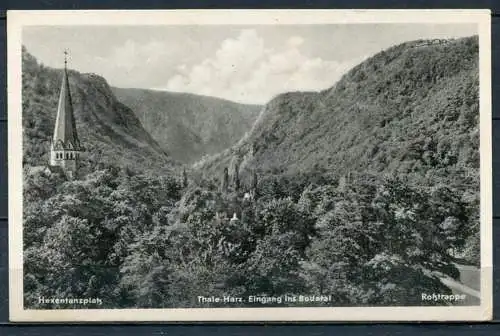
<point x="110" y="132"/>
<point x="189" y="126"/>
<point x="410" y="110"/>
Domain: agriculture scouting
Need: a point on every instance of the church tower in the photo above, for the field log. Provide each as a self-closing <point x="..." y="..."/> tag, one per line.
<point x="65" y="147"/>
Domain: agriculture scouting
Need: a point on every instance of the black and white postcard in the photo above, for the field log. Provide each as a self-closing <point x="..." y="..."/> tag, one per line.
<point x="298" y="165"/>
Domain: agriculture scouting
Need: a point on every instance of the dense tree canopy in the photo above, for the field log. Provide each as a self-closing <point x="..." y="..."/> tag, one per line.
<point x="142" y="241"/>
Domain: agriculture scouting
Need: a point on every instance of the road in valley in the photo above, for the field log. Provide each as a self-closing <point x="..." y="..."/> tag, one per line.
<point x="469" y="284"/>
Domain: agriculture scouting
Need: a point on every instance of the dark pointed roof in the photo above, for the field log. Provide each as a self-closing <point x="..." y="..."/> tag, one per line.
<point x="65" y="128"/>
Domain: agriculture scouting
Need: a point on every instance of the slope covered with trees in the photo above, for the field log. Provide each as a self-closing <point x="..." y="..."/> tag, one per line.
<point x="109" y="130"/>
<point x="189" y="126"/>
<point x="410" y="110"/>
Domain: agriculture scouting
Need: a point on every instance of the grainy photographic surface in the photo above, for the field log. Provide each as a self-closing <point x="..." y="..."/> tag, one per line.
<point x="253" y="166"/>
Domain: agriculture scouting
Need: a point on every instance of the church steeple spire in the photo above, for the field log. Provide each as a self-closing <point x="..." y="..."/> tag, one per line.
<point x="65" y="145"/>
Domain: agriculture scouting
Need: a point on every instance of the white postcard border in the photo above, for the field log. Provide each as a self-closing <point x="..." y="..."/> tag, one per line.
<point x="16" y="20"/>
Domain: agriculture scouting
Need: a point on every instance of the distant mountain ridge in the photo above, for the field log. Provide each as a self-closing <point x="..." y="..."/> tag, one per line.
<point x="411" y="109"/>
<point x="108" y="130"/>
<point x="189" y="126"/>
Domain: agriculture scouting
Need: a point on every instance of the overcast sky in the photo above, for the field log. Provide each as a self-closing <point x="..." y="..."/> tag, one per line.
<point x="240" y="63"/>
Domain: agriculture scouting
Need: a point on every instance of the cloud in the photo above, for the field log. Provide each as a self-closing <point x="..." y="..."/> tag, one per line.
<point x="244" y="69"/>
<point x="140" y="63"/>
<point x="295" y="41"/>
<point x="131" y="54"/>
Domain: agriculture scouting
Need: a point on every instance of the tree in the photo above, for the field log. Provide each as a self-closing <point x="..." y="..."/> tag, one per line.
<point x="224" y="180"/>
<point x="282" y="232"/>
<point x="184" y="178"/>
<point x="254" y="183"/>
<point x="385" y="244"/>
<point x="236" y="178"/>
